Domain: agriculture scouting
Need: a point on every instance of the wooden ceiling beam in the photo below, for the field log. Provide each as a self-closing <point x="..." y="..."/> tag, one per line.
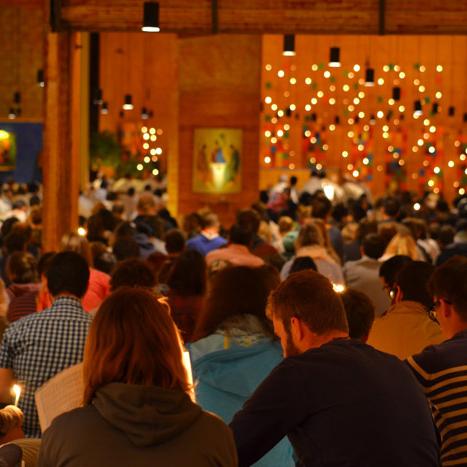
<point x="273" y="17"/>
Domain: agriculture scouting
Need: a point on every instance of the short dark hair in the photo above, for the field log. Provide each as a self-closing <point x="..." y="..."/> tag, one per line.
<point x="373" y="246"/>
<point x="125" y="247"/>
<point x="391" y="207"/>
<point x="309" y="296"/>
<point x="360" y="313"/>
<point x="209" y="220"/>
<point x="174" y="241"/>
<point x="321" y="207"/>
<point x="21" y="267"/>
<point x="412" y="281"/>
<point x="389" y="269"/>
<point x="188" y="274"/>
<point x="249" y="219"/>
<point x="302" y="263"/>
<point x="448" y="281"/>
<point x="240" y="235"/>
<point x="68" y="272"/>
<point x="132" y="273"/>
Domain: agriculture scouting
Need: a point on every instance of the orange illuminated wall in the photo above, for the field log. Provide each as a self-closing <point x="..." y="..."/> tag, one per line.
<point x="324" y="116"/>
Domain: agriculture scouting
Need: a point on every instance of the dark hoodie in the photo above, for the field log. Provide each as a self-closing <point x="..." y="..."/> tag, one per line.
<point x="128" y="425"/>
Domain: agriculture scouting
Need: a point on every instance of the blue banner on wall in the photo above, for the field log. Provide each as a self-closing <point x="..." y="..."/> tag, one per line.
<point x="28" y="141"/>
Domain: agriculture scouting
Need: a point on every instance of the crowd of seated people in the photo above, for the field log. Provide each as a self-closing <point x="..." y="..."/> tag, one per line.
<point x="319" y="333"/>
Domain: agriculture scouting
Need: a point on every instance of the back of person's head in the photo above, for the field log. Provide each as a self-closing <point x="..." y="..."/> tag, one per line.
<point x="11" y="419"/>
<point x="146" y="204"/>
<point x="133" y="340"/>
<point x="391" y="267"/>
<point x="188" y="274"/>
<point x="309" y="296"/>
<point x="285" y="224"/>
<point x="74" y="242"/>
<point x="387" y="230"/>
<point x="174" y="241"/>
<point x="309" y="234"/>
<point x="224" y="302"/>
<point x="125" y="248"/>
<point x="249" y="219"/>
<point x="391" y="207"/>
<point x="68" y="273"/>
<point x="373" y="246"/>
<point x="360" y="313"/>
<point x="240" y="235"/>
<point x="412" y="282"/>
<point x="321" y="207"/>
<point x="293" y="180"/>
<point x="132" y="273"/>
<point x="403" y="244"/>
<point x="118" y="208"/>
<point x="448" y="282"/>
<point x="417" y="227"/>
<point x="302" y="263"/>
<point x="446" y="235"/>
<point x="21" y="268"/>
<point x="209" y="220"/>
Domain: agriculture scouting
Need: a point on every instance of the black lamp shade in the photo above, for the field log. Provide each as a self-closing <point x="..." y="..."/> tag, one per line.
<point x="370" y="77"/>
<point x="98" y="100"/>
<point x="128" y="102"/>
<point x="435" y="108"/>
<point x="40" y="78"/>
<point x="314" y="117"/>
<point x="150" y="17"/>
<point x="417" y="107"/>
<point x="17" y="97"/>
<point x="289" y="45"/>
<point x="105" y="108"/>
<point x="451" y="111"/>
<point x="334" y="57"/>
<point x="465" y="117"/>
<point x="144" y="113"/>
<point x="337" y="120"/>
<point x="396" y="93"/>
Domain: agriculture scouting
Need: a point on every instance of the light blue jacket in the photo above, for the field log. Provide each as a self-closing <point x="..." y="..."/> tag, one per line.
<point x="224" y="380"/>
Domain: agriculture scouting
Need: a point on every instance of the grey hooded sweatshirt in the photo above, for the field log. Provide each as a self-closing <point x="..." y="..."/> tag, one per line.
<point x="134" y="426"/>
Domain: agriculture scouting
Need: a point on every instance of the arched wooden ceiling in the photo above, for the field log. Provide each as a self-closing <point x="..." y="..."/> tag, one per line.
<point x="188" y="17"/>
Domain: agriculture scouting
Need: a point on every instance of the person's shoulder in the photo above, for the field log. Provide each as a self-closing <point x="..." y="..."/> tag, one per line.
<point x="212" y="423"/>
<point x="73" y="420"/>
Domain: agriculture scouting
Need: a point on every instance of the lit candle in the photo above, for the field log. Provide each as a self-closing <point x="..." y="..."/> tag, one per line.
<point x="17" y="391"/>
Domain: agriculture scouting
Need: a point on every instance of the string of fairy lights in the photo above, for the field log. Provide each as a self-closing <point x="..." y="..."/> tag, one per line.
<point x="334" y="100"/>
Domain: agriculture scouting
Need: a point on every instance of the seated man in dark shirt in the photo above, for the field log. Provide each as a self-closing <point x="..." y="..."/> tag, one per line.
<point x="339" y="401"/>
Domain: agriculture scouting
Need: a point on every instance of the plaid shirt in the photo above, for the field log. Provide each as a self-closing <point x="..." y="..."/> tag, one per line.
<point x="41" y="345"/>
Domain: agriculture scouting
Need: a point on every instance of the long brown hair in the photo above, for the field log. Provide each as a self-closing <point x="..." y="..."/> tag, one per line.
<point x="133" y="340"/>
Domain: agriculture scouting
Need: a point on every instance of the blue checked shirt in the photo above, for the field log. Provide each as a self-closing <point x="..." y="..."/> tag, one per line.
<point x="41" y="345"/>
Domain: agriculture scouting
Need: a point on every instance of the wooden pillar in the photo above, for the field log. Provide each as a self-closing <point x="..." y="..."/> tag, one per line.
<point x="61" y="165"/>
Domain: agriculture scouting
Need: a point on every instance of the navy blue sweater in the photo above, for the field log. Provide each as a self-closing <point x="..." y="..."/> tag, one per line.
<point x="344" y="404"/>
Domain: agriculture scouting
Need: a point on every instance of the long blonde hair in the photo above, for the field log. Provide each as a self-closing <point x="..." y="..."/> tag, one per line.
<point x="403" y="244"/>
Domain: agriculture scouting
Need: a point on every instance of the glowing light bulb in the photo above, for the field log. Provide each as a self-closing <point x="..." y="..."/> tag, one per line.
<point x="268" y="99"/>
<point x="281" y="73"/>
<point x="356" y="67"/>
<point x="439" y="68"/>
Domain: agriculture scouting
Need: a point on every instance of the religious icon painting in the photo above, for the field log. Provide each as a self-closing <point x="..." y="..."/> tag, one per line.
<point x="217" y="160"/>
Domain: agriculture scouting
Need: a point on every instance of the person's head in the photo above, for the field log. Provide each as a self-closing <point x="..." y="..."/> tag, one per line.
<point x="360" y="313"/>
<point x="446" y="235"/>
<point x="403" y="244"/>
<point x="125" y="248"/>
<point x="174" y="241"/>
<point x="147" y="205"/>
<point x="224" y="303"/>
<point x="132" y="273"/>
<point x="285" y="224"/>
<point x="21" y="268"/>
<point x="188" y="274"/>
<point x="249" y="219"/>
<point x="391" y="207"/>
<point x="306" y="312"/>
<point x="389" y="270"/>
<point x="302" y="263"/>
<point x="133" y="340"/>
<point x="210" y="221"/>
<point x="448" y="287"/>
<point x="417" y="227"/>
<point x="74" y="242"/>
<point x="11" y="420"/>
<point x="411" y="283"/>
<point x="67" y="274"/>
<point x="293" y="180"/>
<point x="373" y="246"/>
<point x="240" y="236"/>
<point x="309" y="235"/>
<point x="321" y="207"/>
<point x="118" y="209"/>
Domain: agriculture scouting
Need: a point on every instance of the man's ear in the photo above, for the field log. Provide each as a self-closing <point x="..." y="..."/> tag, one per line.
<point x="296" y="329"/>
<point x="399" y="296"/>
<point x="446" y="309"/>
